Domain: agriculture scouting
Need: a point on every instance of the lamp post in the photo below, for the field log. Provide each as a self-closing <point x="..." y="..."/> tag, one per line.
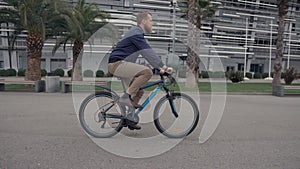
<point x="270" y="56"/>
<point x="245" y="59"/>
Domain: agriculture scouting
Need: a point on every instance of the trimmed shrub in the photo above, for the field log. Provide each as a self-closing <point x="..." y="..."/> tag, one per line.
<point x="235" y="76"/>
<point x="11" y="72"/>
<point x="88" y="73"/>
<point x="69" y="73"/>
<point x="282" y="75"/>
<point x="265" y="75"/>
<point x="21" y="72"/>
<point x="109" y="74"/>
<point x="257" y="75"/>
<point x="3" y="72"/>
<point x="43" y="72"/>
<point x="100" y="73"/>
<point x="290" y="75"/>
<point x="59" y="72"/>
<point x="204" y="74"/>
<point x="249" y="75"/>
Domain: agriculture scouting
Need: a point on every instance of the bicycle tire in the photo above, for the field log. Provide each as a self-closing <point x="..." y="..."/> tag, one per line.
<point x="167" y="130"/>
<point x="83" y="114"/>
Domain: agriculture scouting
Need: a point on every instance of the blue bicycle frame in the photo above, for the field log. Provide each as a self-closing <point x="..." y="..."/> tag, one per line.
<point x="161" y="84"/>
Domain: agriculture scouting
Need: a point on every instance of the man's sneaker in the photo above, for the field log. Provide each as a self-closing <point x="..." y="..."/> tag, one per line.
<point x="127" y="101"/>
<point x="134" y="127"/>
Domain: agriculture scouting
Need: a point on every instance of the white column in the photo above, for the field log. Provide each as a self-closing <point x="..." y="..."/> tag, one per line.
<point x="246" y="47"/>
<point x="289" y="46"/>
<point x="270" y="53"/>
<point x="174" y="30"/>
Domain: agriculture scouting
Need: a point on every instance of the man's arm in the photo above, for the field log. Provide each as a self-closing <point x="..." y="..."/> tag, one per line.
<point x="147" y="52"/>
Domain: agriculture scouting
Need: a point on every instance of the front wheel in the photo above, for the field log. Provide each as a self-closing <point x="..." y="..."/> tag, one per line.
<point x="170" y="125"/>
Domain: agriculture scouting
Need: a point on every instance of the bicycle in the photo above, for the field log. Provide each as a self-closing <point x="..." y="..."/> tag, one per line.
<point x="101" y="115"/>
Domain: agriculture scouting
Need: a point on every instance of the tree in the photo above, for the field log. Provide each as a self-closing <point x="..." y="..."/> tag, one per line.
<point x="33" y="17"/>
<point x="79" y="31"/>
<point x="197" y="10"/>
<point x="282" y="11"/>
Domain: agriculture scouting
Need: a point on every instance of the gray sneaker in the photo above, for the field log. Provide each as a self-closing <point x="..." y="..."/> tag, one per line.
<point x="134" y="127"/>
<point x="128" y="102"/>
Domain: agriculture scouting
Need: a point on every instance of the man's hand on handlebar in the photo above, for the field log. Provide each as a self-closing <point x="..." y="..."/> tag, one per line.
<point x="165" y="69"/>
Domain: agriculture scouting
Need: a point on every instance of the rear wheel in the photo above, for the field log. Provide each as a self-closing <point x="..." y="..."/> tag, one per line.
<point x="93" y="118"/>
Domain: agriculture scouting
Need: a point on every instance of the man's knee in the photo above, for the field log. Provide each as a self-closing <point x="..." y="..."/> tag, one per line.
<point x="147" y="73"/>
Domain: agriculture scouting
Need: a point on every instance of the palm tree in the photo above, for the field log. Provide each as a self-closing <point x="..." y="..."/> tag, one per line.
<point x="33" y="17"/>
<point x="199" y="9"/>
<point x="277" y="89"/>
<point x="282" y="11"/>
<point x="79" y="31"/>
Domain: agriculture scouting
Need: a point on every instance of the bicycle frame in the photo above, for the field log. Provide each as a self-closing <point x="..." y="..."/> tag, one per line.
<point x="161" y="84"/>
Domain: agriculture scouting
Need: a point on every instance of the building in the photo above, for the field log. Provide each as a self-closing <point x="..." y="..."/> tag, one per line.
<point x="241" y="31"/>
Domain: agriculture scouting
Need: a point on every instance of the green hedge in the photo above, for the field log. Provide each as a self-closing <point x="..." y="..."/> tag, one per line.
<point x="204" y="74"/>
<point x="21" y="72"/>
<point x="249" y="75"/>
<point x="88" y="73"/>
<point x="235" y="76"/>
<point x="109" y="74"/>
<point x="290" y="75"/>
<point x="59" y="72"/>
<point x="43" y="72"/>
<point x="257" y="75"/>
<point x="69" y="73"/>
<point x="8" y="72"/>
<point x="211" y="74"/>
<point x="100" y="73"/>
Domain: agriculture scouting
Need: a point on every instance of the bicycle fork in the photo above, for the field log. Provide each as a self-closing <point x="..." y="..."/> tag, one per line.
<point x="171" y="99"/>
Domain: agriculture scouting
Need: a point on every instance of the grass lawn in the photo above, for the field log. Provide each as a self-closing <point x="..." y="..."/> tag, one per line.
<point x="19" y="87"/>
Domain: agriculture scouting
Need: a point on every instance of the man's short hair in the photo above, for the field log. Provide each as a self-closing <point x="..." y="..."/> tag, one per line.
<point x="141" y="16"/>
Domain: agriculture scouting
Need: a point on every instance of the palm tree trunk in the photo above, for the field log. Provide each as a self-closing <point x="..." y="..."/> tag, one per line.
<point x="190" y="81"/>
<point x="283" y="6"/>
<point x="34" y="43"/>
<point x="77" y="60"/>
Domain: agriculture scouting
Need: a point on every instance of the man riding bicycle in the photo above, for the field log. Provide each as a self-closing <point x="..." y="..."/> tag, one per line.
<point x="122" y="60"/>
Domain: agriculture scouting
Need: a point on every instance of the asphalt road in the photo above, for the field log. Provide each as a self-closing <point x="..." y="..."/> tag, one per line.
<point x="41" y="130"/>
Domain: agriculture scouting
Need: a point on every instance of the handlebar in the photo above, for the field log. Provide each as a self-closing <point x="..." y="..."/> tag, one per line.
<point x="168" y="74"/>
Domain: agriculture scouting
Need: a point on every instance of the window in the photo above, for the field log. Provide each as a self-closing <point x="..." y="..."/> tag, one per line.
<point x="241" y="66"/>
<point x="256" y="68"/>
<point x="230" y="68"/>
